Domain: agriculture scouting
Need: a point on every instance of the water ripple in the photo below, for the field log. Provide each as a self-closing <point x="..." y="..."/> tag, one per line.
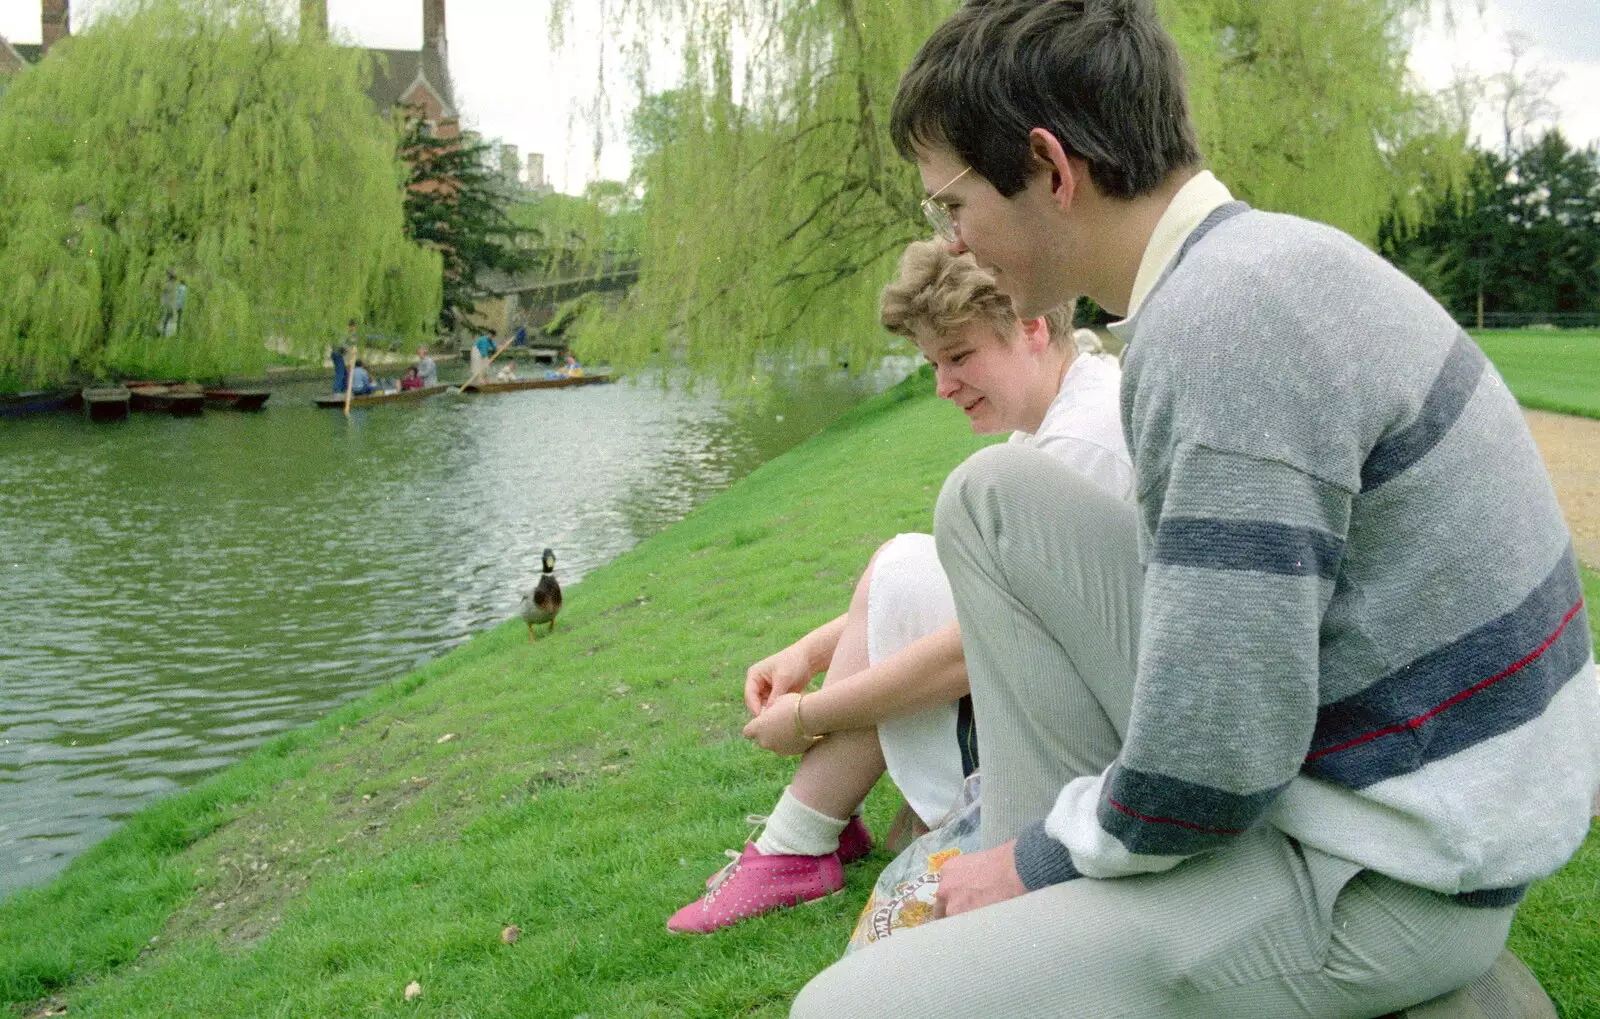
<point x="173" y="592"/>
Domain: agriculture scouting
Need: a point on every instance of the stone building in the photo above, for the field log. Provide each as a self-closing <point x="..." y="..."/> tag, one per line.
<point x="10" y="60"/>
<point x="401" y="79"/>
<point x="408" y="80"/>
<point x="55" y="24"/>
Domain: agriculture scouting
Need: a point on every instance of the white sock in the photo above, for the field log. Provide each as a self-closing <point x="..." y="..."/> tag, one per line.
<point x="794" y="829"/>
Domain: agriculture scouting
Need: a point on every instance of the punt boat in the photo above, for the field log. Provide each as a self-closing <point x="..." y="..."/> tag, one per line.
<point x="516" y="384"/>
<point x="37" y="401"/>
<point x="387" y="396"/>
<point x="237" y="399"/>
<point x="107" y="403"/>
<point x="179" y="400"/>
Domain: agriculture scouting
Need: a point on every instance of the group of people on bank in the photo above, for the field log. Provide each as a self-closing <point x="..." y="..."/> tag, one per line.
<point x="1272" y="653"/>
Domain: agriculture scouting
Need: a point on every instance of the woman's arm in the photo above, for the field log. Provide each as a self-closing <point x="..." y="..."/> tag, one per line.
<point x="792" y="668"/>
<point x="926" y="673"/>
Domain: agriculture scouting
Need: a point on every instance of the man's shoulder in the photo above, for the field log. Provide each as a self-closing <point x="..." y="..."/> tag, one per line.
<point x="1280" y="287"/>
<point x="1285" y="339"/>
<point x="1274" y="249"/>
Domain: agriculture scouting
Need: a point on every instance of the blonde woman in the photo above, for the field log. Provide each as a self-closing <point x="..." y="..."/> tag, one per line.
<point x="895" y="692"/>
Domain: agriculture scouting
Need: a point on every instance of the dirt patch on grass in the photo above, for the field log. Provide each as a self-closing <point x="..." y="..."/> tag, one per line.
<point x="1571" y="448"/>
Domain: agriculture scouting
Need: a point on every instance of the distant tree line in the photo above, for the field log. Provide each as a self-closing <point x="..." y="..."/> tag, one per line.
<point x="773" y="205"/>
<point x="197" y="143"/>
<point x="1519" y="237"/>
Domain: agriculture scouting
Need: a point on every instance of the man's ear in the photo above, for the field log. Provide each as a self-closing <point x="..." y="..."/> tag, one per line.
<point x="1067" y="173"/>
<point x="1036" y="333"/>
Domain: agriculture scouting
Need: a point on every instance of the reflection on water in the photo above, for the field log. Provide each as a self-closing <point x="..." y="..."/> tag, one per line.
<point x="175" y="591"/>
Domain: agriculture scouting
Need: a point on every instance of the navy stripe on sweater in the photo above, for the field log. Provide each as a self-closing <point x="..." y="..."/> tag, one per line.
<point x="1159" y="815"/>
<point x="1261" y="546"/>
<point x="1454" y="385"/>
<point x="1486" y="683"/>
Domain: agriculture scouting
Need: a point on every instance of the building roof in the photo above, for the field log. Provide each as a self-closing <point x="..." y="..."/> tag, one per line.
<point x="10" y="59"/>
<point x="395" y="72"/>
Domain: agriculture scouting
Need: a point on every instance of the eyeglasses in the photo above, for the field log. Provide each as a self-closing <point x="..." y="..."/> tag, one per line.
<point x="938" y="213"/>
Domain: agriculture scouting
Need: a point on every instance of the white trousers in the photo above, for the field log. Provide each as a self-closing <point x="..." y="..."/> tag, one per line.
<point x="908" y="598"/>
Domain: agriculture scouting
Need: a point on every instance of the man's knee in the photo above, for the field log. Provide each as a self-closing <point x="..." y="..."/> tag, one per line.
<point x="981" y="481"/>
<point x="1017" y="481"/>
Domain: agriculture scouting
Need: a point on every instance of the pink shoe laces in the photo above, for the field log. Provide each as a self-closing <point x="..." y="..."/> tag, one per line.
<point x="715" y="882"/>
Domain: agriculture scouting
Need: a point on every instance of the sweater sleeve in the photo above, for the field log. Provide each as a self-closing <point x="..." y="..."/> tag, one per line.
<point x="1241" y="564"/>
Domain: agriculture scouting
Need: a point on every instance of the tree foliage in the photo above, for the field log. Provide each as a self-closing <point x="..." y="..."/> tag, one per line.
<point x="198" y="137"/>
<point x="774" y="204"/>
<point x="1521" y="235"/>
<point x="456" y="205"/>
<point x="569" y="234"/>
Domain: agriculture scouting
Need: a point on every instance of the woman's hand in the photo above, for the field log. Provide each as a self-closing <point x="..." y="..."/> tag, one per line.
<point x="786" y="672"/>
<point x="774" y="728"/>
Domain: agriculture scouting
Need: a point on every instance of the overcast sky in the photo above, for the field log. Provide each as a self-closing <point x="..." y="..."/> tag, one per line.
<point x="510" y="85"/>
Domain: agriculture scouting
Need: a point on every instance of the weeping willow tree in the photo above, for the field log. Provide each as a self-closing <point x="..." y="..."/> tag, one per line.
<point x="775" y="205"/>
<point x="198" y="138"/>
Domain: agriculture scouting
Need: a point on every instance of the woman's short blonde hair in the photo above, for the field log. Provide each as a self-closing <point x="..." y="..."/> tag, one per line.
<point x="936" y="293"/>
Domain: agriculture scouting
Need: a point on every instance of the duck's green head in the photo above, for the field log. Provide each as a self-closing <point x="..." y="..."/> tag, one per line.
<point x="549" y="560"/>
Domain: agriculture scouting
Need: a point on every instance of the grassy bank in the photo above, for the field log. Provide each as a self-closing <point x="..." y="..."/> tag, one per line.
<point x="581" y="788"/>
<point x="1548" y="369"/>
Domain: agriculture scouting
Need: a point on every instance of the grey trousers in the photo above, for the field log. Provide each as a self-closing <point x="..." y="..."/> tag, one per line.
<point x="1047" y="584"/>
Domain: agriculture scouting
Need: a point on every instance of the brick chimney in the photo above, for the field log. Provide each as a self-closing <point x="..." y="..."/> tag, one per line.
<point x="433" y="37"/>
<point x="54" y="23"/>
<point x="313" y="20"/>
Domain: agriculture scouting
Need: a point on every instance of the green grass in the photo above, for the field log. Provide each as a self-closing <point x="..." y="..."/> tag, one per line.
<point x="588" y="782"/>
<point x="1548" y="369"/>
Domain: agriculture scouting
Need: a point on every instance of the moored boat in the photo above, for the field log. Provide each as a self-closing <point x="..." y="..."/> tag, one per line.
<point x="179" y="400"/>
<point x="386" y="396"/>
<point x="513" y="385"/>
<point x="237" y="399"/>
<point x="38" y="401"/>
<point x="107" y="403"/>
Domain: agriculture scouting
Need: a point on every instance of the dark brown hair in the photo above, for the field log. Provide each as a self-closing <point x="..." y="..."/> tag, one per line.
<point x="1103" y="76"/>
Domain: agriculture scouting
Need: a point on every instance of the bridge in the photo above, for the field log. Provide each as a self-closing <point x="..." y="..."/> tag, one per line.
<point x="530" y="299"/>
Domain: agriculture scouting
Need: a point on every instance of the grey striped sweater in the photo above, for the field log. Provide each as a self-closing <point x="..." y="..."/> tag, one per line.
<point x="1363" y="623"/>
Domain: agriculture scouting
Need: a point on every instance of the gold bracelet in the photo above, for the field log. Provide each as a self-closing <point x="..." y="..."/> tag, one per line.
<point x="799" y="729"/>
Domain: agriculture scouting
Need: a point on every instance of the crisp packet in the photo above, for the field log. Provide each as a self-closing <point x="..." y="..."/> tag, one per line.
<point x="903" y="894"/>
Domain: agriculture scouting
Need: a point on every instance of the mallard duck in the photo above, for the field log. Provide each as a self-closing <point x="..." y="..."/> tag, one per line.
<point x="543" y="601"/>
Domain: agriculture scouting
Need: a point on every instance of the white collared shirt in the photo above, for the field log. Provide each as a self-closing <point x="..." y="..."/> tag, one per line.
<point x="1196" y="200"/>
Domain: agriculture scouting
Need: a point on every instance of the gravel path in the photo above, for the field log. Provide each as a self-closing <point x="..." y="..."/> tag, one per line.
<point x="1571" y="448"/>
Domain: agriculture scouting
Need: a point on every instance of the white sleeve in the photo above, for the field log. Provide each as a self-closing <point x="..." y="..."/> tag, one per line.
<point x="1092" y="460"/>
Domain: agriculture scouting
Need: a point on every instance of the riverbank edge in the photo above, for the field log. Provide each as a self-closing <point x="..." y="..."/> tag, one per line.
<point x="105" y="909"/>
<point x="309" y="371"/>
<point x="111" y="902"/>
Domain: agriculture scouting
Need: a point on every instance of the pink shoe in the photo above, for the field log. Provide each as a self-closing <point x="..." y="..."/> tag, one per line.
<point x="855" y="841"/>
<point x="754" y="884"/>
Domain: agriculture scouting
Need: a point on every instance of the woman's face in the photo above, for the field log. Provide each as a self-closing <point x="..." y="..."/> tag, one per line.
<point x="1000" y="384"/>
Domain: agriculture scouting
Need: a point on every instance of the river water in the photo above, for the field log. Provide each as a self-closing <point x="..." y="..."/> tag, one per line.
<point x="176" y="591"/>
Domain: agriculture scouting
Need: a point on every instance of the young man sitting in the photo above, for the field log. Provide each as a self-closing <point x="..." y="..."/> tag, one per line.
<point x="1362" y="716"/>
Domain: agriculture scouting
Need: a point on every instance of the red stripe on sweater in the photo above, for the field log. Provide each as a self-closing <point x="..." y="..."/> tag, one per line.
<point x="1458" y="698"/>
<point x="1170" y="820"/>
